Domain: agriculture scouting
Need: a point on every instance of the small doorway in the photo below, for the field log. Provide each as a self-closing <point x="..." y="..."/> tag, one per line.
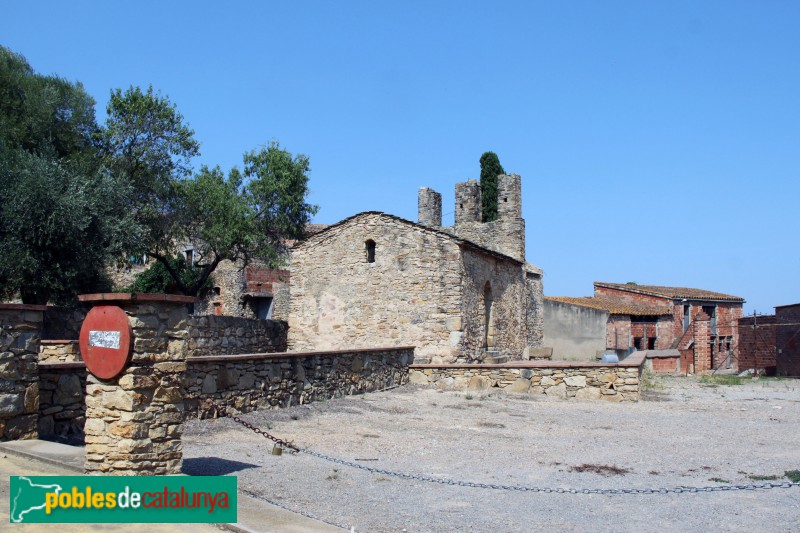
<point x="488" y="323"/>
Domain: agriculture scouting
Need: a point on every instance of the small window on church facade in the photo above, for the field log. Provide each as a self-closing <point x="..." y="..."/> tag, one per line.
<point x="370" y="245"/>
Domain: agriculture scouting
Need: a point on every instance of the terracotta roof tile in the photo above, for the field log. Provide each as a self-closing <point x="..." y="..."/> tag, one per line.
<point x="671" y="292"/>
<point x="615" y="307"/>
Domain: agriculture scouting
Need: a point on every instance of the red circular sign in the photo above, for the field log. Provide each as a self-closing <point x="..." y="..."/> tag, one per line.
<point x="106" y="341"/>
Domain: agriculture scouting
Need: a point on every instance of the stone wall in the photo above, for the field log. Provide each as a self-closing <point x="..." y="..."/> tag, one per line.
<point x="552" y="379"/>
<point x="134" y="422"/>
<point x="223" y="335"/>
<point x="216" y="385"/>
<point x="409" y="295"/>
<point x="59" y="351"/>
<point x="499" y="282"/>
<point x="20" y="333"/>
<point x="62" y="407"/>
<point x="236" y="291"/>
<point x="505" y="235"/>
<point x="63" y="323"/>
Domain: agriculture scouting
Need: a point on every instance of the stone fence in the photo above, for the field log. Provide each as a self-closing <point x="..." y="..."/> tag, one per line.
<point x="20" y="333"/>
<point x="59" y="351"/>
<point x="215" y="384"/>
<point x="565" y="380"/>
<point x="62" y="405"/>
<point x="227" y="335"/>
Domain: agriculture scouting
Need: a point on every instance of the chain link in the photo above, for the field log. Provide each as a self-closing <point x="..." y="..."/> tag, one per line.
<point x="520" y="488"/>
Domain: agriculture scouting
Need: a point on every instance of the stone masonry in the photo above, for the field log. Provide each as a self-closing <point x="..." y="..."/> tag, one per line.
<point x="134" y="422"/>
<point x="460" y="294"/>
<point x="217" y="385"/>
<point x="421" y="286"/>
<point x="20" y="333"/>
<point x="552" y="379"/>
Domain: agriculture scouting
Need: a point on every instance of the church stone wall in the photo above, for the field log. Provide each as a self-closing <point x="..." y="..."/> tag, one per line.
<point x="500" y="281"/>
<point x="409" y="296"/>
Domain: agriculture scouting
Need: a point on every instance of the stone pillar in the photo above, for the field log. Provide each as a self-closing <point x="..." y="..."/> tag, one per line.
<point x="134" y="422"/>
<point x="702" y="340"/>
<point x="510" y="233"/>
<point x="468" y="202"/>
<point x="20" y="335"/>
<point x="429" y="207"/>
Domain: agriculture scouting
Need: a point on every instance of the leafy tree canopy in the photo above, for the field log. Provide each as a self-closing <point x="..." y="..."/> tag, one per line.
<point x="239" y="217"/>
<point x="61" y="216"/>
<point x="490" y="169"/>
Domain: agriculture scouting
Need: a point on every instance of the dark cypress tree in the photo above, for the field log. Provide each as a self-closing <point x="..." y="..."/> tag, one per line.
<point x="490" y="169"/>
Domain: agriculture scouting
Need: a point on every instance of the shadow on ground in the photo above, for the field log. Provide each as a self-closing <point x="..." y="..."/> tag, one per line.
<point x="213" y="466"/>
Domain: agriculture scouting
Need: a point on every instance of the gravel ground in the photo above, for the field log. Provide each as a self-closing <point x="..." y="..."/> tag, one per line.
<point x="685" y="433"/>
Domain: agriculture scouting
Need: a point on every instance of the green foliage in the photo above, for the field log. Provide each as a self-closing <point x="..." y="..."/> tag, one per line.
<point x="61" y="217"/>
<point x="146" y="144"/>
<point x="157" y="279"/>
<point x="490" y="169"/>
<point x="717" y="379"/>
<point x="58" y="227"/>
<point x="44" y="113"/>
<point x="793" y="475"/>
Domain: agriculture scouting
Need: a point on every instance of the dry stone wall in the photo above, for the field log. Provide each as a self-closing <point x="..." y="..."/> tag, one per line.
<point x="501" y="281"/>
<point x="59" y="351"/>
<point x="557" y="380"/>
<point x="220" y="385"/>
<point x="221" y="335"/>
<point x="20" y="333"/>
<point x="62" y="406"/>
<point x="134" y="422"/>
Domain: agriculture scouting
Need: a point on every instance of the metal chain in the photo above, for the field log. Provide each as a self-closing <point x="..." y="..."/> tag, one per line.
<point x="519" y="488"/>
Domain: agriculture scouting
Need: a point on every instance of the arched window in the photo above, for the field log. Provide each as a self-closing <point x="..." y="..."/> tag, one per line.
<point x="370" y="248"/>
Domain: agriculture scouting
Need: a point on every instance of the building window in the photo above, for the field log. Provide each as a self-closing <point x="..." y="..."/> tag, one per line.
<point x="637" y="343"/>
<point x="370" y="246"/>
<point x="262" y="308"/>
<point x="190" y="257"/>
<point x="651" y="343"/>
<point x="217" y="291"/>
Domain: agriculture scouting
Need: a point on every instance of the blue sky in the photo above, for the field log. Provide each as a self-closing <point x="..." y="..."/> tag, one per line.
<point x="658" y="142"/>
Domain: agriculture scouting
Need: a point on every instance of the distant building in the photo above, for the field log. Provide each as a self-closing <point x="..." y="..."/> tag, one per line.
<point x="701" y="325"/>
<point x="787" y="340"/>
<point x="581" y="328"/>
<point x="757" y="344"/>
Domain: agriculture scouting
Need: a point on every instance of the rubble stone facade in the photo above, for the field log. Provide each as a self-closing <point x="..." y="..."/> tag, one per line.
<point x="459" y="294"/>
<point x="20" y="334"/>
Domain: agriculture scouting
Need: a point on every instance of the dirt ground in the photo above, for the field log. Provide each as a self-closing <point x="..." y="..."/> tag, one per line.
<point x="686" y="433"/>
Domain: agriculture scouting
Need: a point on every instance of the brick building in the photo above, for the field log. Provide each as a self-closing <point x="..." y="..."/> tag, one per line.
<point x="459" y="294"/>
<point x="689" y="307"/>
<point x="757" y="344"/>
<point x="787" y="340"/>
<point x="628" y="326"/>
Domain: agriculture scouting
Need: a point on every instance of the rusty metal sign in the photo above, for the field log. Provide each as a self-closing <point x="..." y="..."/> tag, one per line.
<point x="106" y="341"/>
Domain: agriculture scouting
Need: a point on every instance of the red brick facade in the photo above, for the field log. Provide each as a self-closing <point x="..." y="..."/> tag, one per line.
<point x="757" y="343"/>
<point x="787" y="340"/>
<point x="712" y="345"/>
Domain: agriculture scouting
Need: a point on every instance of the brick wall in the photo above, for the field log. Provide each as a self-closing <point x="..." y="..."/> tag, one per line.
<point x="757" y="343"/>
<point x="787" y="340"/>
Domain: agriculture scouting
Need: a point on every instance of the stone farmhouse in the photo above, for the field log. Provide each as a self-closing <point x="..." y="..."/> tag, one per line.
<point x="686" y="329"/>
<point x="460" y="294"/>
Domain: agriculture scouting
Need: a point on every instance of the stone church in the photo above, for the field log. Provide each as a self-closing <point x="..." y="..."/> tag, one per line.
<point x="460" y="294"/>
